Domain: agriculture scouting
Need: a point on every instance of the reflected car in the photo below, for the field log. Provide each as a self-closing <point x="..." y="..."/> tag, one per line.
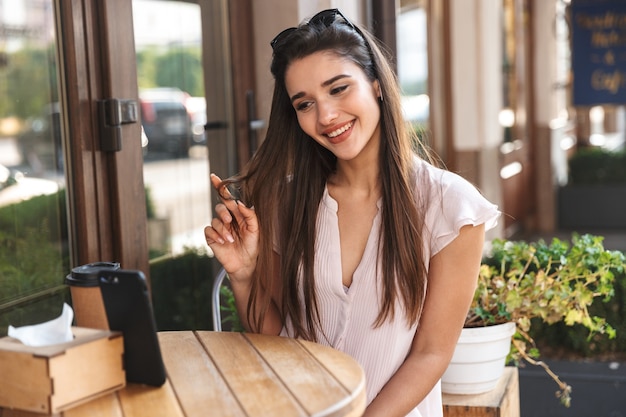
<point x="165" y="121"/>
<point x="15" y="187"/>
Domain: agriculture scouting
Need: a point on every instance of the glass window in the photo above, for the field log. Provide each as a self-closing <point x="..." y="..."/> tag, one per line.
<point x="168" y="39"/>
<point x="34" y="249"/>
<point x="412" y="56"/>
<point x="168" y="43"/>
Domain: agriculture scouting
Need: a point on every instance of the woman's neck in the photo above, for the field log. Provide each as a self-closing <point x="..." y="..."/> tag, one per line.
<point x="357" y="177"/>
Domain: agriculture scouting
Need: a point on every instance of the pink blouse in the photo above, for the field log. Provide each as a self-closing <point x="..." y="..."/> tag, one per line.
<point x="348" y="314"/>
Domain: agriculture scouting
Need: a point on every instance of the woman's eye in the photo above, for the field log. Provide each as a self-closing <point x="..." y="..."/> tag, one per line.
<point x="339" y="89"/>
<point x="303" y="105"/>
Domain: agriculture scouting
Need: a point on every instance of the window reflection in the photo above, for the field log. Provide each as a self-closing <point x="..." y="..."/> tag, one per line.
<point x="168" y="41"/>
<point x="413" y="62"/>
<point x="34" y="253"/>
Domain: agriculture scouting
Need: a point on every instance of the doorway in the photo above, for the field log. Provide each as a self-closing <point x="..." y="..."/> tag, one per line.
<point x="185" y="96"/>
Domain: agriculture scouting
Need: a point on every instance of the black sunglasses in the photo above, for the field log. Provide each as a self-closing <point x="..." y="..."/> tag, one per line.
<point x="326" y="17"/>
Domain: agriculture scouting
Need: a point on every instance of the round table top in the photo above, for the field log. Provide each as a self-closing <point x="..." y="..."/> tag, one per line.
<point x="243" y="374"/>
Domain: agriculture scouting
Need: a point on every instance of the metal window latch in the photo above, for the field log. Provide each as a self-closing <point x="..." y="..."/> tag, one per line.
<point x="113" y="114"/>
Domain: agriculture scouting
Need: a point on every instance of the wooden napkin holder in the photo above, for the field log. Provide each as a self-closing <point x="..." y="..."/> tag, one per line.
<point x="50" y="379"/>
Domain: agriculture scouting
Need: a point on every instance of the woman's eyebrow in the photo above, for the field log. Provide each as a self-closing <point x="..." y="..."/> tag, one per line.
<point x="335" y="78"/>
<point x="324" y="84"/>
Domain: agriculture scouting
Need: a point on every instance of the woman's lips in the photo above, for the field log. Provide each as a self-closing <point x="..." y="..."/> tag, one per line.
<point x="339" y="134"/>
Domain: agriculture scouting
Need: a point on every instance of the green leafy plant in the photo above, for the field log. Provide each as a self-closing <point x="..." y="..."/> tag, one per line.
<point x="230" y="319"/>
<point x="555" y="282"/>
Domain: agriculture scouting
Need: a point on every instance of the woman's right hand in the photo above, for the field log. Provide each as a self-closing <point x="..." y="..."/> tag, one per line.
<point x="237" y="252"/>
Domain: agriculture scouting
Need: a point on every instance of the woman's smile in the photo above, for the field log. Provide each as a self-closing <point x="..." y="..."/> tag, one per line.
<point x="339" y="134"/>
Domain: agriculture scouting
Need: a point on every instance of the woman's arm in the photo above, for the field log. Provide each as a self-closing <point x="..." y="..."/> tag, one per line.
<point x="238" y="254"/>
<point x="452" y="280"/>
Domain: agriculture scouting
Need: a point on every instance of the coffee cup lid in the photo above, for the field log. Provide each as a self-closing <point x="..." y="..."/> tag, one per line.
<point x="87" y="275"/>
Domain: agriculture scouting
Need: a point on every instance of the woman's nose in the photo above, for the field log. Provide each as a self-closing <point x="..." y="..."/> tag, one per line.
<point x="327" y="113"/>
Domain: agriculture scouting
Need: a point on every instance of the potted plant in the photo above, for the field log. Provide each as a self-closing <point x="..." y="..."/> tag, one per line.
<point x="522" y="282"/>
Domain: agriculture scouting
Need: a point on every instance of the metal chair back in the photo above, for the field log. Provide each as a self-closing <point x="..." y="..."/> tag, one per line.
<point x="215" y="295"/>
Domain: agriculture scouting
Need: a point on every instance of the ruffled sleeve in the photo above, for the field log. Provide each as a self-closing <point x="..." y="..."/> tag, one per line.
<point x="452" y="202"/>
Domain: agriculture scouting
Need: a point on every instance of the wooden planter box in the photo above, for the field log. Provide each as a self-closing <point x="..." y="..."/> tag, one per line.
<point x="53" y="378"/>
<point x="502" y="401"/>
<point x="592" y="207"/>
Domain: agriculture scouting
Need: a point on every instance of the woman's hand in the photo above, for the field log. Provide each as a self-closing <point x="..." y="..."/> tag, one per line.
<point x="237" y="252"/>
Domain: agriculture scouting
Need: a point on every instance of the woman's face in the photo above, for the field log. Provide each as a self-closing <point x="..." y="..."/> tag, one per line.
<point x="335" y="103"/>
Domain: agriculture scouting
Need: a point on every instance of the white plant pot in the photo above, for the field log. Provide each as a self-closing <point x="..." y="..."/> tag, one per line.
<point x="479" y="359"/>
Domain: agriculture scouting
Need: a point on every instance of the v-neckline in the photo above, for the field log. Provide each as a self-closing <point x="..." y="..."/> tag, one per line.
<point x="333" y="205"/>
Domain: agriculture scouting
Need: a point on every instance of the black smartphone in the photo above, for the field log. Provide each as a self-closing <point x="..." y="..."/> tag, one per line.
<point x="129" y="310"/>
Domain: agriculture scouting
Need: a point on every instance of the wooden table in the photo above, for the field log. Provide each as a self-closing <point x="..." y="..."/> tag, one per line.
<point x="226" y="374"/>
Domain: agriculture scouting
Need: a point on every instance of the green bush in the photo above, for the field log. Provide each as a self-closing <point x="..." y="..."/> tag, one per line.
<point x="181" y="291"/>
<point x="31" y="214"/>
<point x="34" y="259"/>
<point x="576" y="341"/>
<point x="593" y="166"/>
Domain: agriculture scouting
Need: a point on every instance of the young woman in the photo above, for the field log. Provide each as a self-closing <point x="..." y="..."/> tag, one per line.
<point x="343" y="231"/>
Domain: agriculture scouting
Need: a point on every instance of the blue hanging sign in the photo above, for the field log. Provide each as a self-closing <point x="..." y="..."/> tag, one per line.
<point x="599" y="52"/>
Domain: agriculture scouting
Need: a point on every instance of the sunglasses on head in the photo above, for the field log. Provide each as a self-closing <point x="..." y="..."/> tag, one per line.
<point x="325" y="17"/>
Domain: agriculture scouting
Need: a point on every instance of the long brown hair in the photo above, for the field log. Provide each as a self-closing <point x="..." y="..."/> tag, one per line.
<point x="286" y="177"/>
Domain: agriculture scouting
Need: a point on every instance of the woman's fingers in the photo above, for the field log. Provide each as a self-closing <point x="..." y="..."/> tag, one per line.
<point x="227" y="199"/>
<point x="237" y="253"/>
<point x="229" y="202"/>
<point x="222" y="191"/>
<point x="216" y="181"/>
<point x="219" y="231"/>
<point x="248" y="216"/>
<point x="223" y="213"/>
<point x="212" y="236"/>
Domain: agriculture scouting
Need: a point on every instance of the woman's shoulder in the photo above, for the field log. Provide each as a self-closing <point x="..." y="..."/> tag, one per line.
<point x="449" y="202"/>
<point x="439" y="179"/>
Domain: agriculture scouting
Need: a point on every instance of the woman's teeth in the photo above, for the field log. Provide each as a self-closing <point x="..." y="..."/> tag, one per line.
<point x="339" y="131"/>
